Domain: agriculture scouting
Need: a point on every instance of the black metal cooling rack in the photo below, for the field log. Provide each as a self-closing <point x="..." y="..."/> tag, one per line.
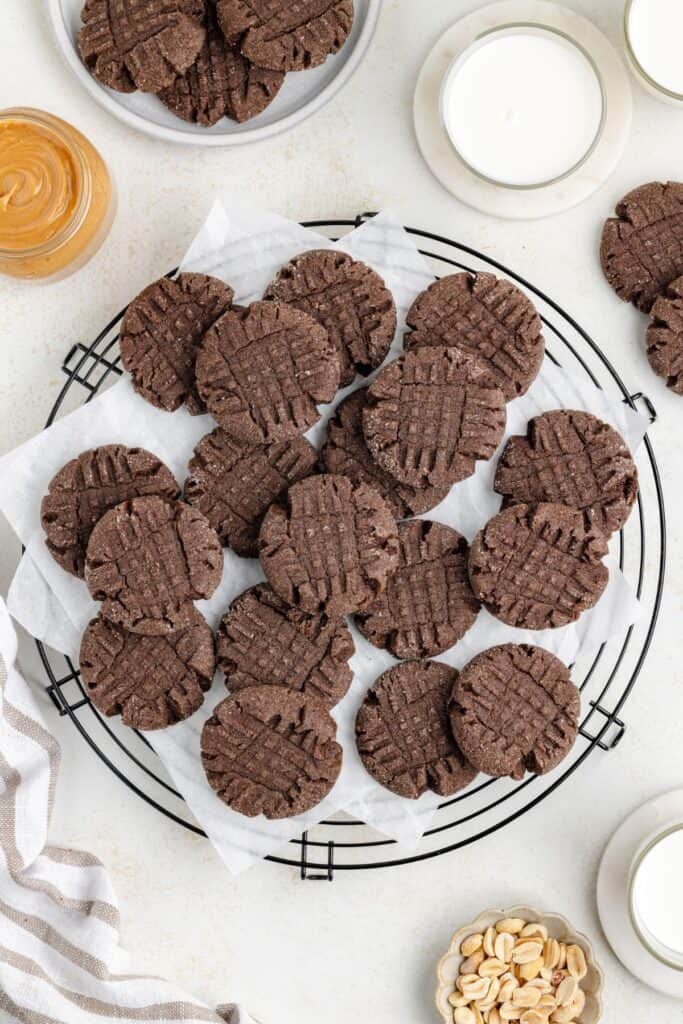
<point x="606" y="681"/>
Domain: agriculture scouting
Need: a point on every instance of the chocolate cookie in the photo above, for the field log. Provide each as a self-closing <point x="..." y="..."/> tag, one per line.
<point x="571" y="458"/>
<point x="665" y="336"/>
<point x="287" y="36"/>
<point x="514" y="709"/>
<point x="403" y="732"/>
<point x="428" y="604"/>
<point x="264" y="642"/>
<point x="140" y="45"/>
<point x="268" y="750"/>
<point x="349" y="299"/>
<point x="642" y="247"/>
<point x="160" y="334"/>
<point x="431" y="414"/>
<point x="220" y="83"/>
<point x="538" y="566"/>
<point x="331" y="547"/>
<point x="261" y="371"/>
<point x="486" y="316"/>
<point x="151" y="681"/>
<point x="87" y="487"/>
<point x="345" y="452"/>
<point x="148" y="560"/>
<point x="234" y="484"/>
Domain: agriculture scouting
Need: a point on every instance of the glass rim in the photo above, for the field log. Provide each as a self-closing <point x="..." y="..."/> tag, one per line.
<point x="509" y="28"/>
<point x="73" y="226"/>
<point x="653" y="946"/>
<point x="657" y="86"/>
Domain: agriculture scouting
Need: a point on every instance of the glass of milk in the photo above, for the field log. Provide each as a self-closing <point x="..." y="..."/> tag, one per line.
<point x="656" y="896"/>
<point x="654" y="43"/>
<point x="523" y="106"/>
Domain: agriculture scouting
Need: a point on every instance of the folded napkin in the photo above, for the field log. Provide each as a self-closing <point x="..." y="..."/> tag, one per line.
<point x="60" y="958"/>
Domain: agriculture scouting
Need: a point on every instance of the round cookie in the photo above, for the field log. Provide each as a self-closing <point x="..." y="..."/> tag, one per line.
<point x="331" y="547"/>
<point x="148" y="560"/>
<point x="287" y="36"/>
<point x="428" y="604"/>
<point x="234" y="484"/>
<point x="349" y="299"/>
<point x="87" y="487"/>
<point x="139" y="45"/>
<point x="538" y="566"/>
<point x="268" y="750"/>
<point x="220" y="83"/>
<point x="262" y="370"/>
<point x="431" y="414"/>
<point x="264" y="642"/>
<point x="160" y="334"/>
<point x="571" y="458"/>
<point x="514" y="709"/>
<point x="151" y="681"/>
<point x="345" y="452"/>
<point x="403" y="732"/>
<point x="642" y="247"/>
<point x="665" y="336"/>
<point x="487" y="316"/>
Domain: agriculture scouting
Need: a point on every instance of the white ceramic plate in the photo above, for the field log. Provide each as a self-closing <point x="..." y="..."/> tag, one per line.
<point x="301" y="96"/>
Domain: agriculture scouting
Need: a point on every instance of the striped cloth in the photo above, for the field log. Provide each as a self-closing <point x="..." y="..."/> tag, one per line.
<point x="60" y="958"/>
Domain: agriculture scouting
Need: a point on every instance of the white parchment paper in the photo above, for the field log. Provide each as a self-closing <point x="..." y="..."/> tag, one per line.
<point x="246" y="247"/>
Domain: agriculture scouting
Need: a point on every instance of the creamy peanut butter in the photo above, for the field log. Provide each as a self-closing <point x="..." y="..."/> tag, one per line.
<point x="56" y="197"/>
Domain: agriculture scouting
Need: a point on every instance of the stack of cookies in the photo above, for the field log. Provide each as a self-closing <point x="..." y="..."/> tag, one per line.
<point x="208" y="59"/>
<point x="335" y="533"/>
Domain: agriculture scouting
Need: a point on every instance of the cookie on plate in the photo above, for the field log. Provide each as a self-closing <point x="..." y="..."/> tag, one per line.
<point x="428" y="604"/>
<point x="538" y="566"/>
<point x="234" y="484"/>
<point x="264" y="642"/>
<point x="87" y="487"/>
<point x="160" y="334"/>
<point x="514" y="709"/>
<point x="285" y="36"/>
<point x="572" y="458"/>
<point x="665" y="336"/>
<point x="349" y="299"/>
<point x="140" y="45"/>
<point x="431" y="414"/>
<point x="330" y="547"/>
<point x="403" y="732"/>
<point x="486" y="316"/>
<point x="268" y="750"/>
<point x="263" y="370"/>
<point x="150" y="681"/>
<point x="345" y="452"/>
<point x="642" y="247"/>
<point x="148" y="560"/>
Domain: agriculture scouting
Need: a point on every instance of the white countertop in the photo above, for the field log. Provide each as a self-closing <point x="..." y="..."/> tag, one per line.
<point x="363" y="948"/>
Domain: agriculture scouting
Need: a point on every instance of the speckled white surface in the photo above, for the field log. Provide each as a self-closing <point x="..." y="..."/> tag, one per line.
<point x="364" y="948"/>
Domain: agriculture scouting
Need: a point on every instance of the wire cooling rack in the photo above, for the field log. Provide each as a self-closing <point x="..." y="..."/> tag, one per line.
<point x="606" y="680"/>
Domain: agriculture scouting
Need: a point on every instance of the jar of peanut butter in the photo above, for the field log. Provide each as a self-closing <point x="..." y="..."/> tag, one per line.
<point x="57" y="201"/>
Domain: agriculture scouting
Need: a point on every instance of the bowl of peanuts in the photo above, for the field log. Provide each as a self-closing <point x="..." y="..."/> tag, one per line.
<point x="519" y="965"/>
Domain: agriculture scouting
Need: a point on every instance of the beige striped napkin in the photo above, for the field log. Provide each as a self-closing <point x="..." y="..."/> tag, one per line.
<point x="60" y="958"/>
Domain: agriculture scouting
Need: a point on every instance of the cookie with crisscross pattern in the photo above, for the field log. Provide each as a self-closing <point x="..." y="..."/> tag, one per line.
<point x="403" y="731"/>
<point x="148" y="560"/>
<point x="150" y="681"/>
<point x="268" y="750"/>
<point x="486" y="316"/>
<point x="264" y="642"/>
<point x="665" y="336"/>
<point x="515" y="709"/>
<point x="538" y="566"/>
<point x="572" y="458"/>
<point x="87" y="487"/>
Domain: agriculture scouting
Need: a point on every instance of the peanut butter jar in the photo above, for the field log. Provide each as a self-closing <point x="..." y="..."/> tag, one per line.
<point x="57" y="200"/>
